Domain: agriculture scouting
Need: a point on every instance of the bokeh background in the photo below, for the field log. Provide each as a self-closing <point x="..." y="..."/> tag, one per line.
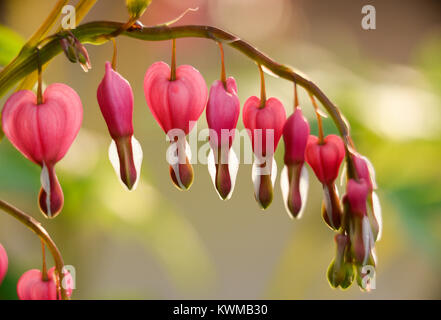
<point x="159" y="243"/>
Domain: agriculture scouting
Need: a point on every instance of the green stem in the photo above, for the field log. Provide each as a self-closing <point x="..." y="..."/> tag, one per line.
<point x="96" y="33"/>
<point x="36" y="227"/>
<point x="262" y="87"/>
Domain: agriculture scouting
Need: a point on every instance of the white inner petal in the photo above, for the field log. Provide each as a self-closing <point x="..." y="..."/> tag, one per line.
<point x="233" y="168"/>
<point x="284" y="185"/>
<point x="46" y="185"/>
<point x="328" y="205"/>
<point x="368" y="238"/>
<point x="377" y="214"/>
<point x="257" y="171"/>
<point x="137" y="159"/>
<point x="304" y="186"/>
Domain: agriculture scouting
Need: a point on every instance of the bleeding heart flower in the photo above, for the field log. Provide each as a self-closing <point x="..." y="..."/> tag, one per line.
<point x="294" y="178"/>
<point x="223" y="111"/>
<point x="115" y="97"/>
<point x="176" y="105"/>
<point x="43" y="134"/>
<point x="265" y="128"/>
<point x="365" y="171"/>
<point x="32" y="286"/>
<point x="3" y="263"/>
<point x="360" y="230"/>
<point x="325" y="160"/>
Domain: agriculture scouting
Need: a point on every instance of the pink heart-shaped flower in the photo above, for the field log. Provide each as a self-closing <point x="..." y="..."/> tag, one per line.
<point x="176" y="104"/>
<point x="265" y="124"/>
<point x="43" y="133"/>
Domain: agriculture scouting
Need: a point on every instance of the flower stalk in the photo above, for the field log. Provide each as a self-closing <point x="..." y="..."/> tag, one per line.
<point x="37" y="228"/>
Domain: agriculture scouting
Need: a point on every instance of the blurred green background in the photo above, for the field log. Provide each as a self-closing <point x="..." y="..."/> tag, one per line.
<point x="159" y="243"/>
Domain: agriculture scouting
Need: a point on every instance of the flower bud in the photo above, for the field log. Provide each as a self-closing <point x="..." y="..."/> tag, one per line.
<point x="137" y="8"/>
<point x="360" y="230"/>
<point x="43" y="133"/>
<point x="223" y="110"/>
<point x="33" y="286"/>
<point x="115" y="97"/>
<point x="3" y="263"/>
<point x="294" y="178"/>
<point x="365" y="171"/>
<point x="340" y="271"/>
<point x="265" y="127"/>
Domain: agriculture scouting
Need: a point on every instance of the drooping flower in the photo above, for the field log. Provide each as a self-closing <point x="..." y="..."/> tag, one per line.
<point x="176" y="104"/>
<point x="115" y="97"/>
<point x="365" y="171"/>
<point x="265" y="128"/>
<point x="294" y="178"/>
<point x="325" y="159"/>
<point x="3" y="263"/>
<point x="341" y="271"/>
<point x="33" y="286"/>
<point x="43" y="133"/>
<point x="223" y="109"/>
<point x="360" y="231"/>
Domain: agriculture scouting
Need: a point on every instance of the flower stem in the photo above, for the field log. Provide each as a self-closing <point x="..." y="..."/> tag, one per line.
<point x="319" y="119"/>
<point x="36" y="227"/>
<point x="223" y="77"/>
<point x="262" y="87"/>
<point x="296" y="97"/>
<point x="40" y="79"/>
<point x="173" y="61"/>
<point x="115" y="54"/>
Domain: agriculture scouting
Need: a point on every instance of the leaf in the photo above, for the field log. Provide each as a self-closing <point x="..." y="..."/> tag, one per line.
<point x="10" y="45"/>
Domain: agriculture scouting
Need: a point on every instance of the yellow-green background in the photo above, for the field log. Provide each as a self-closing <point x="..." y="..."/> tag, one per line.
<point x="158" y="243"/>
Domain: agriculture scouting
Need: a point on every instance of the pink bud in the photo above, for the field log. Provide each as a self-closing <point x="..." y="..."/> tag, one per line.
<point x="325" y="159"/>
<point x="360" y="229"/>
<point x="294" y="180"/>
<point x="31" y="285"/>
<point x="364" y="170"/>
<point x="3" y="263"/>
<point x="43" y="134"/>
<point x="115" y="97"/>
<point x="295" y="135"/>
<point x="223" y="110"/>
<point x="357" y="193"/>
<point x="175" y="104"/>
<point x="265" y="124"/>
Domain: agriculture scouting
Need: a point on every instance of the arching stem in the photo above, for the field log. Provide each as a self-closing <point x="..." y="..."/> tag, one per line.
<point x="262" y="87"/>
<point x="36" y="227"/>
<point x="44" y="276"/>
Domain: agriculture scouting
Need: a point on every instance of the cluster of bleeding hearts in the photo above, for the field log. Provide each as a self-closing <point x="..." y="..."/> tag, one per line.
<point x="177" y="98"/>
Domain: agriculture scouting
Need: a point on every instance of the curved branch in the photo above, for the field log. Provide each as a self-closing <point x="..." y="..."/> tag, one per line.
<point x="36" y="227"/>
<point x="97" y="32"/>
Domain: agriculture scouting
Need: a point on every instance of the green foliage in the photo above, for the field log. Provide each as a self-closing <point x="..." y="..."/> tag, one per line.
<point x="10" y="45"/>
